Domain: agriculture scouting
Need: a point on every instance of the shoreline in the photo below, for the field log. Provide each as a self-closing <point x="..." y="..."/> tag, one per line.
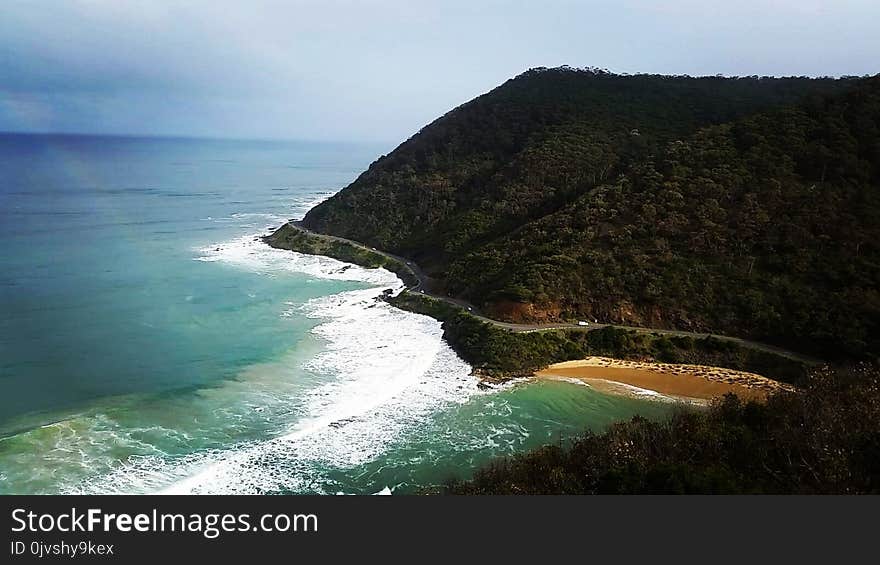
<point x="689" y="382"/>
<point x="704" y="368"/>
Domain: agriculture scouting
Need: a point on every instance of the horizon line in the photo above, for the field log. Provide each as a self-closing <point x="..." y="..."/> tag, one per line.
<point x="193" y="137"/>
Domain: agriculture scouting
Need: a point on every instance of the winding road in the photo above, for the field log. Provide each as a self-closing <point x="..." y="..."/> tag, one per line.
<point x="421" y="277"/>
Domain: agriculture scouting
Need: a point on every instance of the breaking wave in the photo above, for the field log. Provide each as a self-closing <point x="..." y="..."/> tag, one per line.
<point x="381" y="373"/>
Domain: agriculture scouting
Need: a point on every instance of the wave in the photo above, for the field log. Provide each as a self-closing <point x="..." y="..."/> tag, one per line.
<point x="251" y="253"/>
<point x="298" y="208"/>
<point x="303" y="205"/>
<point x="252" y="220"/>
<point x="381" y="374"/>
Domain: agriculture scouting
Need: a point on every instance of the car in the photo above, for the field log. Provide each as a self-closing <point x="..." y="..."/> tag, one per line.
<point x="583" y="323"/>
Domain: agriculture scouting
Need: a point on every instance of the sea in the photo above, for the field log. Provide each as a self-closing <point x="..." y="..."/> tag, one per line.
<point x="151" y="343"/>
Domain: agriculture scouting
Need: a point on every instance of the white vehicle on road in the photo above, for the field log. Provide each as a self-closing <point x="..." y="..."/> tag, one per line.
<point x="583" y="323"/>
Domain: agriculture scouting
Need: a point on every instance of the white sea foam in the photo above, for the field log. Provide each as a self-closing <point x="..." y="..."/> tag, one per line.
<point x="382" y="373"/>
<point x="573" y="381"/>
<point x="298" y="208"/>
<point x="306" y="203"/>
<point x="388" y="371"/>
<point x="249" y="252"/>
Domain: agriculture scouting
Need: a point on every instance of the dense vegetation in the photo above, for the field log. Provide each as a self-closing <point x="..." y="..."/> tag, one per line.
<point x="496" y="353"/>
<point x="737" y="206"/>
<point x="822" y="439"/>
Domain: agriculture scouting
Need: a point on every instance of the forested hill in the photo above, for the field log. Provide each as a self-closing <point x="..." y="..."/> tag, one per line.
<point x="745" y="206"/>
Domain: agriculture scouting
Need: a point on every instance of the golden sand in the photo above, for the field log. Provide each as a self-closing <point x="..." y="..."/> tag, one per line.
<point x="683" y="381"/>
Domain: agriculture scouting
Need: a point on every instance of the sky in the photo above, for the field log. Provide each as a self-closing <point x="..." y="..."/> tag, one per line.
<point x="376" y="71"/>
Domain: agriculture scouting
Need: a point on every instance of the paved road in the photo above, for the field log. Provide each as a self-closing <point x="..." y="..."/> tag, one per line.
<point x="422" y="288"/>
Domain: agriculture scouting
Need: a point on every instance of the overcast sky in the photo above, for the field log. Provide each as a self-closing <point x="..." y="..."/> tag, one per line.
<point x="376" y="70"/>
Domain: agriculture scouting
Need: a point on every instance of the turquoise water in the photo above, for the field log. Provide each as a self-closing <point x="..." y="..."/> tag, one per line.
<point x="150" y="343"/>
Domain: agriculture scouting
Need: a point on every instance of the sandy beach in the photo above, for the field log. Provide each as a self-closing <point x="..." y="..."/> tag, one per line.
<point x="690" y="382"/>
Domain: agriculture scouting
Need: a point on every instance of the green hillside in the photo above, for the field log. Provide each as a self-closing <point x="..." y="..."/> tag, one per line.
<point x="741" y="206"/>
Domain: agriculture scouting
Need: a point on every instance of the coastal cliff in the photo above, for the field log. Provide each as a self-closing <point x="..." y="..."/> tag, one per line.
<point x="742" y="206"/>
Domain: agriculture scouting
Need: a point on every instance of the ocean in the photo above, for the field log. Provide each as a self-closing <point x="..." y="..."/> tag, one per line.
<point x="151" y="343"/>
